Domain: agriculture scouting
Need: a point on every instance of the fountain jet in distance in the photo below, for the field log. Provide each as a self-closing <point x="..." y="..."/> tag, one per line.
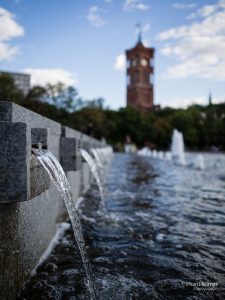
<point x="144" y="152"/>
<point x="155" y="153"/>
<point x="168" y="156"/>
<point x="199" y="162"/>
<point x="160" y="155"/>
<point x="177" y="148"/>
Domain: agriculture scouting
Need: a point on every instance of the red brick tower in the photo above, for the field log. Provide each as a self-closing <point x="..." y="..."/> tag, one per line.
<point x="140" y="77"/>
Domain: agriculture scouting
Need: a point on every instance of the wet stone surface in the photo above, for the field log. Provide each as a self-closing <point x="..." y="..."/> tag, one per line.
<point x="163" y="239"/>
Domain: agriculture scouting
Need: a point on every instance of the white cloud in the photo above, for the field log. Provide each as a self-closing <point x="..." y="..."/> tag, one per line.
<point x="7" y="52"/>
<point x="200" y="100"/>
<point x="94" y="16"/>
<point x="146" y="43"/>
<point x="198" y="47"/>
<point x="131" y="5"/>
<point x="184" y="5"/>
<point x="185" y="102"/>
<point x="120" y="63"/>
<point x="43" y="76"/>
<point x="9" y="29"/>
<point x="205" y="11"/>
<point x="191" y="16"/>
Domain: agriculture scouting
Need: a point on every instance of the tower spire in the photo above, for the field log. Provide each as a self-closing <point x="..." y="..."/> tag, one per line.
<point x="210" y="98"/>
<point x="139" y="32"/>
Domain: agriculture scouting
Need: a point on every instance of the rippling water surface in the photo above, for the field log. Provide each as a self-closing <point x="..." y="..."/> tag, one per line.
<point x="164" y="238"/>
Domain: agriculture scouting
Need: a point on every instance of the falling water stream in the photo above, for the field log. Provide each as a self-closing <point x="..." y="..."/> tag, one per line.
<point x="97" y="160"/>
<point x="94" y="170"/>
<point x="57" y="175"/>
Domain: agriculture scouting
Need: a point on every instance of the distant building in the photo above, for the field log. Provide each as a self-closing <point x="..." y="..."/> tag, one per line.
<point x="140" y="86"/>
<point x="22" y="81"/>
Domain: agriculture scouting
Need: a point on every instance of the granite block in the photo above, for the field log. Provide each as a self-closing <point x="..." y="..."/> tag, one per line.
<point x="15" y="150"/>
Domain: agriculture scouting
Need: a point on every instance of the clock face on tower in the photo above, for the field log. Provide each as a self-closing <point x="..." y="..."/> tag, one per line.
<point x="144" y="62"/>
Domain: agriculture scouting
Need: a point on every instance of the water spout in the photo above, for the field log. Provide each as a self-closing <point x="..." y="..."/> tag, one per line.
<point x="168" y="156"/>
<point x="98" y="162"/>
<point x="161" y="155"/>
<point x="199" y="162"/>
<point x="154" y="153"/>
<point x="177" y="148"/>
<point x="58" y="177"/>
<point x="144" y="152"/>
<point x="93" y="167"/>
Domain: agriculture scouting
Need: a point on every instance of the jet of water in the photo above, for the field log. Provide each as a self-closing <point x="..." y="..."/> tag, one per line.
<point x="160" y="155"/>
<point x="94" y="170"/>
<point x="168" y="156"/>
<point x="154" y="153"/>
<point x="177" y="148"/>
<point x="145" y="152"/>
<point x="104" y="157"/>
<point x="58" y="177"/>
<point x="199" y="162"/>
<point x="98" y="162"/>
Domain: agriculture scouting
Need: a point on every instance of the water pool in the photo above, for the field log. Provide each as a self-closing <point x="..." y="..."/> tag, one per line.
<point x="164" y="238"/>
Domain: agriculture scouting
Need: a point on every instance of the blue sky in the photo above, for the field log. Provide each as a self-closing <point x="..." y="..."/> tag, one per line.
<point x="82" y="42"/>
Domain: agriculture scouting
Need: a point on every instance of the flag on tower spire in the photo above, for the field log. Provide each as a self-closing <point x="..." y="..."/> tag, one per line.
<point x="139" y="32"/>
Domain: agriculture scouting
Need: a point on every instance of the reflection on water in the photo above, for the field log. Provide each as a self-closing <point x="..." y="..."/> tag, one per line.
<point x="164" y="238"/>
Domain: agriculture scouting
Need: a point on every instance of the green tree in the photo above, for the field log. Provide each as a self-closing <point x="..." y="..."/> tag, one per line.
<point x="8" y="90"/>
<point x="63" y="97"/>
<point x="36" y="93"/>
<point x="97" y="103"/>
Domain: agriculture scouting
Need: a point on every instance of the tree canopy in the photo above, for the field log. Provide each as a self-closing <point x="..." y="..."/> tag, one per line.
<point x="9" y="90"/>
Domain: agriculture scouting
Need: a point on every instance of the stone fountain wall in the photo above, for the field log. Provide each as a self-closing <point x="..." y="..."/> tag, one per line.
<point x="30" y="205"/>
